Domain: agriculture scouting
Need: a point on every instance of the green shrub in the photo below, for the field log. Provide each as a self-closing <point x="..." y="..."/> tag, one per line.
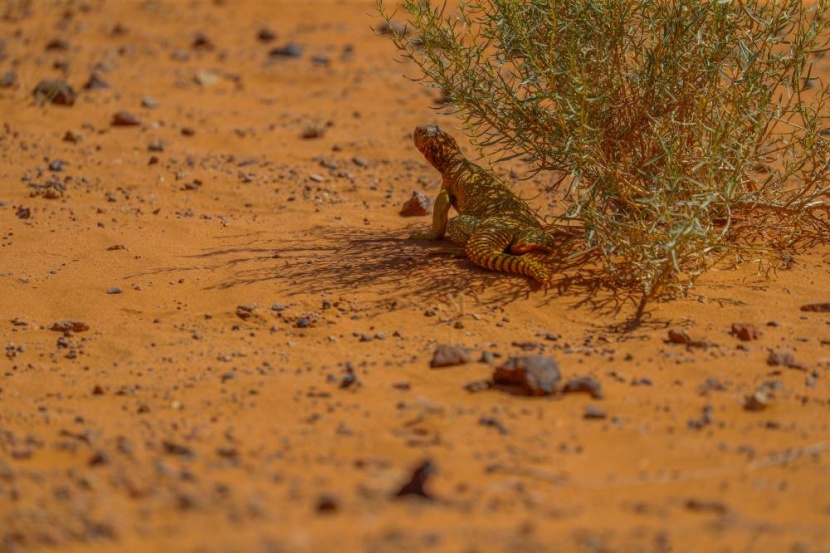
<point x="689" y="130"/>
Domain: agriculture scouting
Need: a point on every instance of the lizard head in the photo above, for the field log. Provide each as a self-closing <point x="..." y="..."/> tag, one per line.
<point x="437" y="146"/>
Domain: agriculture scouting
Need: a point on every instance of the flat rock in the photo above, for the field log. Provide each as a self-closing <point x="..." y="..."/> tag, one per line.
<point x="823" y="307"/>
<point x="584" y="384"/>
<point x="784" y="358"/>
<point x="69" y="324"/>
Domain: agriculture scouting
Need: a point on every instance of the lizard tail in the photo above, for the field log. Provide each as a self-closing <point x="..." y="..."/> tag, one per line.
<point x="488" y="251"/>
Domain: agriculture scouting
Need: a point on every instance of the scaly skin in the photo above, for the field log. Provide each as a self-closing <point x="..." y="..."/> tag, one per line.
<point x="494" y="225"/>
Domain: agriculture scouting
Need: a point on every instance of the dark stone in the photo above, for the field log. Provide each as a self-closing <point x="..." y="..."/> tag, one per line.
<point x="172" y="448"/>
<point x="99" y="458"/>
<point x="72" y="136"/>
<point x="289" y="50"/>
<point x="57" y="45"/>
<point x="678" y="336"/>
<point x="494" y="423"/>
<point x="244" y="312"/>
<point x="266" y="35"/>
<point x="8" y="79"/>
<point x="95" y="82"/>
<point x="537" y="375"/>
<point x="705" y="506"/>
<point x="416" y="485"/>
<point x="55" y="91"/>
<point x="711" y="384"/>
<point x="201" y="41"/>
<point x="705" y="419"/>
<point x="349" y="380"/>
<point x="327" y="503"/>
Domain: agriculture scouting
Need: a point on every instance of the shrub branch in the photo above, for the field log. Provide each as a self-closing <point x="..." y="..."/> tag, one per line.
<point x="683" y="125"/>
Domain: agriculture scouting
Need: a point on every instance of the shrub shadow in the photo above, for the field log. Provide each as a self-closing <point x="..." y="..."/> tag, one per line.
<point x="393" y="266"/>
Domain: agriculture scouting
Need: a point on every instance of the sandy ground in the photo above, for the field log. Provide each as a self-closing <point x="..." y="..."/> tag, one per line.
<point x="249" y="368"/>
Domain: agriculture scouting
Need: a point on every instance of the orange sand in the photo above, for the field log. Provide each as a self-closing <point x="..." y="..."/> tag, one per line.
<point x="178" y="422"/>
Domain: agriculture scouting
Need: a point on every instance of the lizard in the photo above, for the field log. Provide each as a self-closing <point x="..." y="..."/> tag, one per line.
<point x="494" y="226"/>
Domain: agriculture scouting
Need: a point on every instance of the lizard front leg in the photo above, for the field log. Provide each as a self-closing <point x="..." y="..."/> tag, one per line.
<point x="439" y="218"/>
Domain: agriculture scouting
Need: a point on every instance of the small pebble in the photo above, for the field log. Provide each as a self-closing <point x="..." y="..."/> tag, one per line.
<point x="448" y="356"/>
<point x="55" y="91"/>
<point x="266" y="35"/>
<point x="289" y="50"/>
<point x="785" y="358"/>
<point x="327" y="503"/>
<point x="96" y="82"/>
<point x="125" y="118"/>
<point x="416" y="485"/>
<point x="57" y="45"/>
<point x="416" y="206"/>
<point x="244" y="312"/>
<point x="593" y="412"/>
<point x="8" y="79"/>
<point x="585" y="384"/>
<point x="745" y="331"/>
<point x="201" y="41"/>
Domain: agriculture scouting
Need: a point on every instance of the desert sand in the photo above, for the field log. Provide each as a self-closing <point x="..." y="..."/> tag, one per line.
<point x="218" y="336"/>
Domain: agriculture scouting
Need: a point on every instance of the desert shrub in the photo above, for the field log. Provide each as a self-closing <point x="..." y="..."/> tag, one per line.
<point x="689" y="130"/>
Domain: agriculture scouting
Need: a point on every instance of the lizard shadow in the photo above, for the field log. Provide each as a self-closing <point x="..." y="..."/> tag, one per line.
<point x="392" y="267"/>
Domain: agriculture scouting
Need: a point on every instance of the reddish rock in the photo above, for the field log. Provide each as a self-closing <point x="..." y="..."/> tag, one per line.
<point x="125" y="119"/>
<point x="745" y="331"/>
<point x="416" y="206"/>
